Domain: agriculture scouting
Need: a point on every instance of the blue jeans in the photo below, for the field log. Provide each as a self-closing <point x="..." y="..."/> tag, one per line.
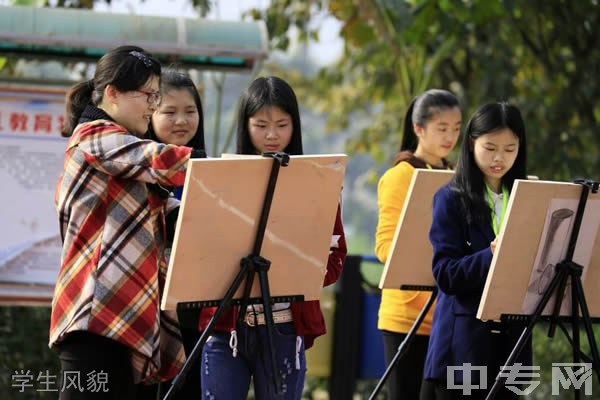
<point x="224" y="377"/>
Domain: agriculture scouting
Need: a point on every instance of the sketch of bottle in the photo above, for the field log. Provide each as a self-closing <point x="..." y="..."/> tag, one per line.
<point x="546" y="270"/>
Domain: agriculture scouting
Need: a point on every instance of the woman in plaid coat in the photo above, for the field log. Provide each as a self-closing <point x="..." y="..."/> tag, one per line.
<point x="106" y="323"/>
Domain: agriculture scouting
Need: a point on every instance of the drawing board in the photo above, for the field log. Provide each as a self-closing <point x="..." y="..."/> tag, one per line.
<point x="408" y="265"/>
<point x="532" y="240"/>
<point x="220" y="209"/>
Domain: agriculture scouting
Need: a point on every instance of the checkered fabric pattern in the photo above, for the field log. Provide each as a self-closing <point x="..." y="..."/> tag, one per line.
<point x="113" y="267"/>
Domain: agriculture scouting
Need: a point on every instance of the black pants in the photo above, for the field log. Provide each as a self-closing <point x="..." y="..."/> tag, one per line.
<point x="437" y="390"/>
<point x="404" y="382"/>
<point x="502" y="340"/>
<point x="94" y="367"/>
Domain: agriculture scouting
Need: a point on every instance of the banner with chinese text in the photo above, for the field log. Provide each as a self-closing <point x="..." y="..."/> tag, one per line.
<point x="31" y="156"/>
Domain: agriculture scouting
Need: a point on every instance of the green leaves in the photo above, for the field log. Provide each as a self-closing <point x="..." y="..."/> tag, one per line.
<point x="540" y="55"/>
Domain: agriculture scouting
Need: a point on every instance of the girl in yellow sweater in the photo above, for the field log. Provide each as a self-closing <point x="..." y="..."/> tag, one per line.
<point x="431" y="129"/>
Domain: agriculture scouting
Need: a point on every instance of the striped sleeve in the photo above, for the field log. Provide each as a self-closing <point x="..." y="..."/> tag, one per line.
<point x="115" y="152"/>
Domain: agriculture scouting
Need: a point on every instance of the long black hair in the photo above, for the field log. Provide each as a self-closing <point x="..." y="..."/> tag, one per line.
<point x="468" y="181"/>
<point x="125" y="67"/>
<point x="420" y="111"/>
<point x="172" y="79"/>
<point x="269" y="91"/>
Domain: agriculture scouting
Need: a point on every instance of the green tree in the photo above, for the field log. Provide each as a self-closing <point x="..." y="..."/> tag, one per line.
<point x="540" y="55"/>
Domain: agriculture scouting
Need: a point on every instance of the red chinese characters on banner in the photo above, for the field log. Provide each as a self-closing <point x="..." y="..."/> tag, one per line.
<point x="30" y="123"/>
<point x="18" y="121"/>
<point x="42" y="123"/>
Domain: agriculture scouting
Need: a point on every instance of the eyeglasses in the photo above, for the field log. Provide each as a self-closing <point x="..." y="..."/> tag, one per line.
<point x="152" y="97"/>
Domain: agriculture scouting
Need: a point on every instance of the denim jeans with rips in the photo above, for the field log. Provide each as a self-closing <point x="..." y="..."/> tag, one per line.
<point x="225" y="377"/>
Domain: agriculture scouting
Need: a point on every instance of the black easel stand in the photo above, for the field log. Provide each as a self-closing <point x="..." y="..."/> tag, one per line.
<point x="248" y="266"/>
<point x="403" y="348"/>
<point x="564" y="270"/>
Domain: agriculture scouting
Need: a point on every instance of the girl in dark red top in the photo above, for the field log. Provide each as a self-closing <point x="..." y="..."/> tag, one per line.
<point x="268" y="120"/>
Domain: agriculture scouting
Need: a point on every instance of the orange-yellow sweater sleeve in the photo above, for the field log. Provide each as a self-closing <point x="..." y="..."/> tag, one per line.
<point x="391" y="193"/>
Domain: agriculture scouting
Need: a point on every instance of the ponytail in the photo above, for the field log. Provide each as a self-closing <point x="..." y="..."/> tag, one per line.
<point x="409" y="139"/>
<point x="409" y="142"/>
<point x="77" y="99"/>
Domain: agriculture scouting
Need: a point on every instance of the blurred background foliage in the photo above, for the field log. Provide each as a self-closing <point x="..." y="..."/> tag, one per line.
<point x="540" y="55"/>
<point x="23" y="348"/>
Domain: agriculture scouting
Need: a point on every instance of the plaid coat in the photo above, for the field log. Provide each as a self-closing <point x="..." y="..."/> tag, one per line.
<point x="113" y="267"/>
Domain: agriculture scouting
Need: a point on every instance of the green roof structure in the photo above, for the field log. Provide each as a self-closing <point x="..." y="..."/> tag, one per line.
<point x="87" y="35"/>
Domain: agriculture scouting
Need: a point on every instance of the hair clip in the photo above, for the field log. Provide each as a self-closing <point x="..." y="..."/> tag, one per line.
<point x="141" y="56"/>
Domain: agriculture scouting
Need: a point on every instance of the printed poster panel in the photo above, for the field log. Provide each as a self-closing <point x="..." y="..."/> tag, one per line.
<point x="31" y="156"/>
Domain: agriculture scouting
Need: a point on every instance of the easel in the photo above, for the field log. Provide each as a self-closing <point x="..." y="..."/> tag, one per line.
<point x="249" y="265"/>
<point x="411" y="247"/>
<point x="564" y="270"/>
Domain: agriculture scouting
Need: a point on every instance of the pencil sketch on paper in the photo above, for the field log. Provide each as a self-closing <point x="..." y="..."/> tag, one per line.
<point x="553" y="246"/>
